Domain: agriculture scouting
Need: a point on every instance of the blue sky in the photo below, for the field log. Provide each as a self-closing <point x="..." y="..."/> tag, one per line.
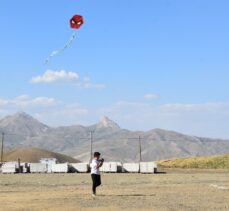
<point x="149" y="64"/>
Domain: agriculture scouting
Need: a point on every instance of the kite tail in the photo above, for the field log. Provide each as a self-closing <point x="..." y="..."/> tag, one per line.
<point x="54" y="53"/>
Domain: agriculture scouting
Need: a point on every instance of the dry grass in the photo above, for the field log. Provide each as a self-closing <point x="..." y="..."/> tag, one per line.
<point x="180" y="190"/>
<point x="212" y="162"/>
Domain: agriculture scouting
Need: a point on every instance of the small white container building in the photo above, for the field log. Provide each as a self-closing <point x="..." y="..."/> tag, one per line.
<point x="60" y="168"/>
<point x="109" y="167"/>
<point x="148" y="167"/>
<point x="10" y="168"/>
<point x="79" y="167"/>
<point x="131" y="167"/>
<point x="38" y="168"/>
<point x="48" y="162"/>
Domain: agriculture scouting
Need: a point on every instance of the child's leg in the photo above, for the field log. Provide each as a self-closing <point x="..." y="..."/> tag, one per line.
<point x="98" y="180"/>
<point x="94" y="183"/>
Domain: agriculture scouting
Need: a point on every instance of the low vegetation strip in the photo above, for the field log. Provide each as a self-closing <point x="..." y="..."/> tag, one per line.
<point x="213" y="162"/>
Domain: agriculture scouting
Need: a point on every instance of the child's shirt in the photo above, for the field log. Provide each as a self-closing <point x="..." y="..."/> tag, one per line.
<point x="94" y="165"/>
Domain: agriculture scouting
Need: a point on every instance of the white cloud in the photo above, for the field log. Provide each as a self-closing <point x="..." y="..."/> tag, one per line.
<point x="64" y="114"/>
<point x="196" y="107"/>
<point x="44" y="101"/>
<point x="152" y="96"/>
<point x="51" y="76"/>
<point x="48" y="110"/>
<point x="203" y="119"/>
<point x="74" y="109"/>
<point x="24" y="101"/>
<point x="126" y="103"/>
<point x="3" y="102"/>
<point x="65" y="77"/>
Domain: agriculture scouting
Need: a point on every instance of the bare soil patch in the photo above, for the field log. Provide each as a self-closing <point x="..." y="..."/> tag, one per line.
<point x="176" y="190"/>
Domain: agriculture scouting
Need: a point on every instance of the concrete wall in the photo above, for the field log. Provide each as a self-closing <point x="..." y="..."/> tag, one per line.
<point x="79" y="167"/>
<point x="148" y="167"/>
<point x="38" y="168"/>
<point x="109" y="167"/>
<point x="60" y="168"/>
<point x="131" y="167"/>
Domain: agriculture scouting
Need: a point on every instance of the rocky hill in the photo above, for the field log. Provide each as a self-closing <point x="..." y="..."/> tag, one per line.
<point x="112" y="141"/>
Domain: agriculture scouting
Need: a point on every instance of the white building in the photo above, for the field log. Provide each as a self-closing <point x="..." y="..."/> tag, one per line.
<point x="48" y="162"/>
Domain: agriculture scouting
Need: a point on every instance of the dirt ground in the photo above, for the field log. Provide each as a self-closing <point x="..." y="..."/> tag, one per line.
<point x="176" y="190"/>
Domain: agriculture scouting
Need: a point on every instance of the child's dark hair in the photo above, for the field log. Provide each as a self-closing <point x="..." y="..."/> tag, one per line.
<point x="96" y="154"/>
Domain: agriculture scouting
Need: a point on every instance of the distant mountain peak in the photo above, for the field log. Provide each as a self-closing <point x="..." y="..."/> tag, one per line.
<point x="22" y="114"/>
<point x="22" y="123"/>
<point x="108" y="123"/>
<point x="20" y="117"/>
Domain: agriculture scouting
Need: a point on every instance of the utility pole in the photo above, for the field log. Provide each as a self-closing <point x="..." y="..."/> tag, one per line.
<point x="91" y="143"/>
<point x="140" y="149"/>
<point x="91" y="132"/>
<point x="2" y="148"/>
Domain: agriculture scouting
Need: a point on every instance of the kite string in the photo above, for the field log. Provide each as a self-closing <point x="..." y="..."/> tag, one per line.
<point x="54" y="53"/>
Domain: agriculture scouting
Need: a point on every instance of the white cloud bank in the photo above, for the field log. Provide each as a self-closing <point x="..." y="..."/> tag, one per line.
<point x="24" y="101"/>
<point x="152" y="96"/>
<point x="65" y="77"/>
<point x="203" y="119"/>
<point x="48" y="110"/>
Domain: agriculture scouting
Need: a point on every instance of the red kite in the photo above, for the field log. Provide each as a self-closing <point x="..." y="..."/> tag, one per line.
<point x="75" y="22"/>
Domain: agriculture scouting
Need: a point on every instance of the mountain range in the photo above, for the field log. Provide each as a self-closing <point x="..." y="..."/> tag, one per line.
<point x="115" y="143"/>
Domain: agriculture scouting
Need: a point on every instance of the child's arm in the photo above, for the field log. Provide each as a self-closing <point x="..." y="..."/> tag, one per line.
<point x="100" y="164"/>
